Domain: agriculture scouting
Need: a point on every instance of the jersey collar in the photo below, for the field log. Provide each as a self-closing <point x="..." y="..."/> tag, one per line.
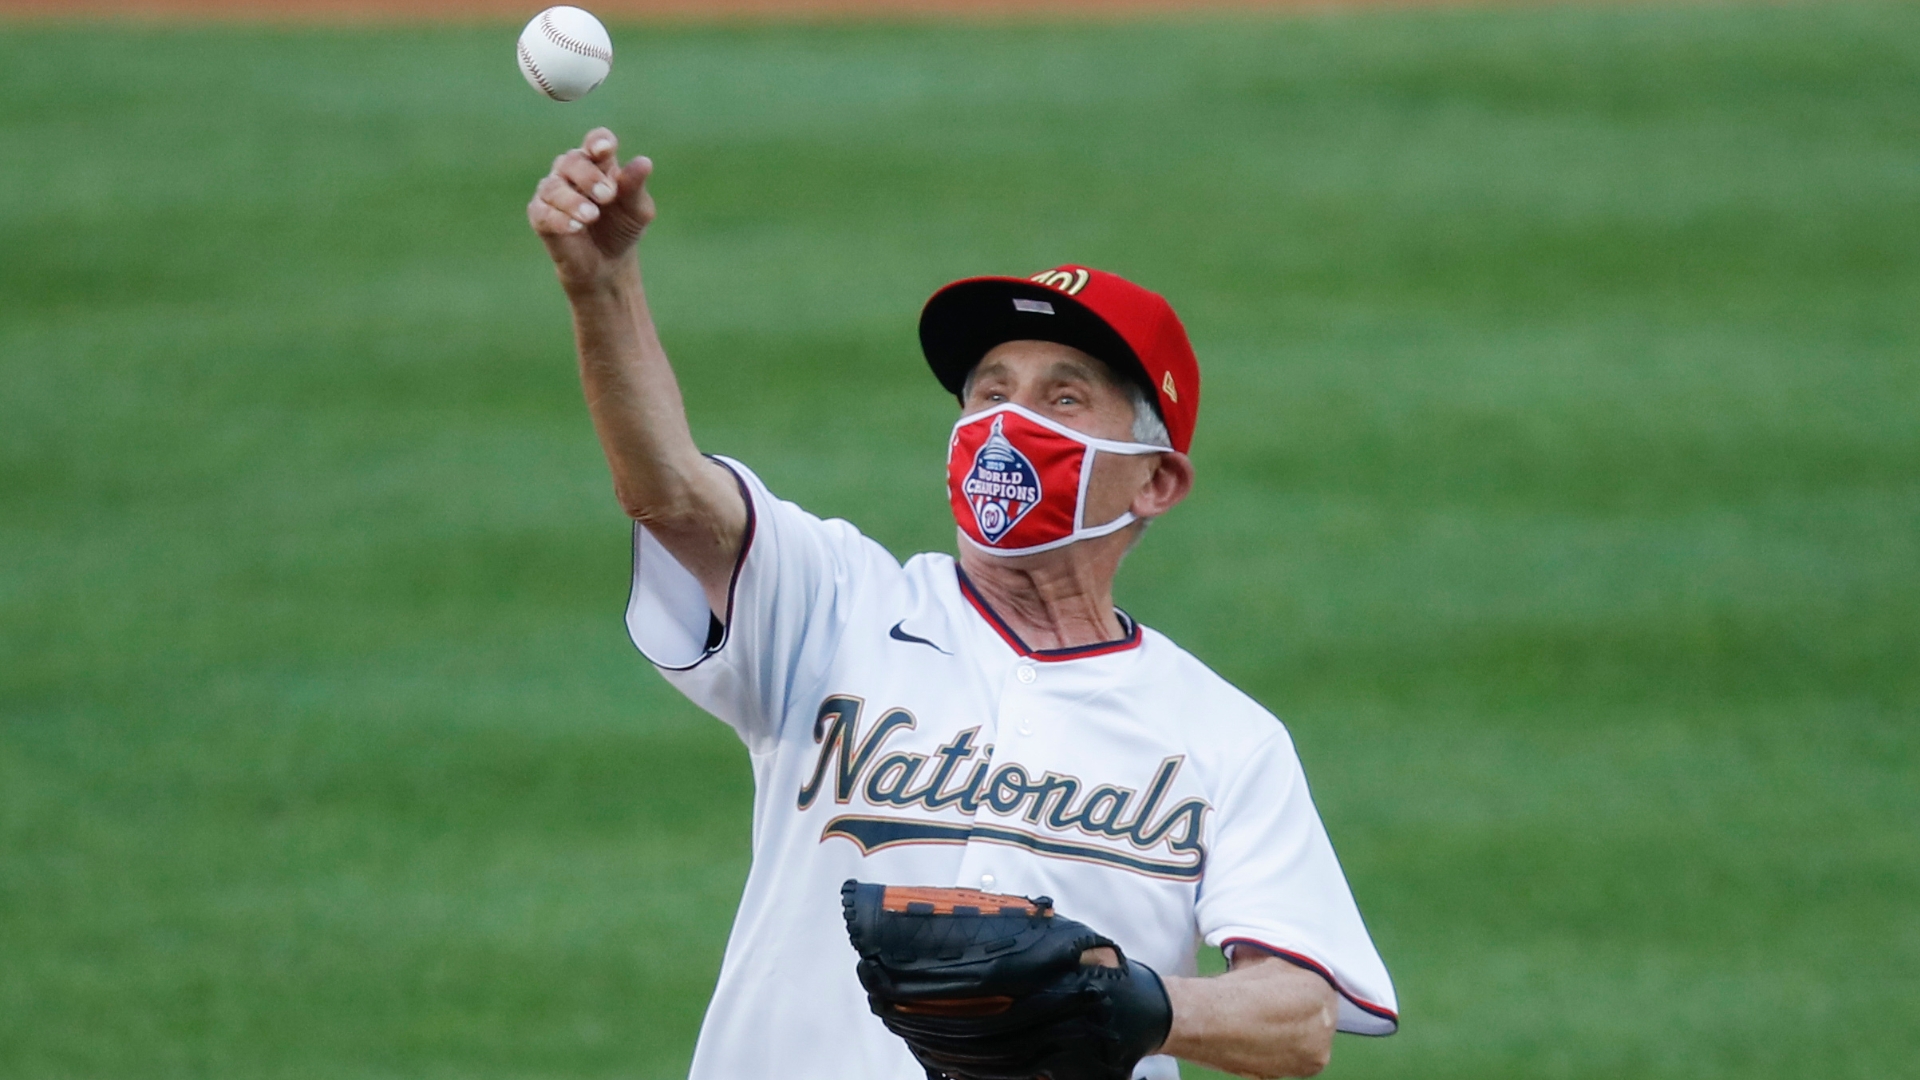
<point x="1130" y="638"/>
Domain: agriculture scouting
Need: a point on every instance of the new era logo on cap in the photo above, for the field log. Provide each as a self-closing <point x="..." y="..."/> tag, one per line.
<point x="1104" y="315"/>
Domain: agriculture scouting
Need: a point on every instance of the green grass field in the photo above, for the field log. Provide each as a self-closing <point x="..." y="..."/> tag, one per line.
<point x="1559" y="484"/>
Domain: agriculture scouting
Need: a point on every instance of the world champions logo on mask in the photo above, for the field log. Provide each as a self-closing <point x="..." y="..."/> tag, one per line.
<point x="1002" y="486"/>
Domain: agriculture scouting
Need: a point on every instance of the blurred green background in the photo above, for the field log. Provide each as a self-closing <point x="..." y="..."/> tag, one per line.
<point x="1559" y="484"/>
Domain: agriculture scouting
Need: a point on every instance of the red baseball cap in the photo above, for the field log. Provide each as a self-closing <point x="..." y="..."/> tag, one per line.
<point x="1133" y="330"/>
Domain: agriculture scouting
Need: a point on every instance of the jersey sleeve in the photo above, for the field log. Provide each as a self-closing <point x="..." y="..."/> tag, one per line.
<point x="787" y="605"/>
<point x="1273" y="883"/>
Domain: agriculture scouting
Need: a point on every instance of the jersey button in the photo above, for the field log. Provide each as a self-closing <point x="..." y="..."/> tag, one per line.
<point x="1025" y="673"/>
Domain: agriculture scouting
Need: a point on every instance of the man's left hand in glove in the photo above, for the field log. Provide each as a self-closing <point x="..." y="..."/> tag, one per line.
<point x="990" y="987"/>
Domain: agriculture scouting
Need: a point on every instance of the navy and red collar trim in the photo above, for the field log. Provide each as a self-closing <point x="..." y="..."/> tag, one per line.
<point x="1131" y="640"/>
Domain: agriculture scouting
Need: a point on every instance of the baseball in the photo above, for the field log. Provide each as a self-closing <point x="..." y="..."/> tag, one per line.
<point x="565" y="53"/>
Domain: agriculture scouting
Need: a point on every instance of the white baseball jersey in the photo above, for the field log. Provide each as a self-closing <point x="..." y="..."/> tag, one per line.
<point x="901" y="733"/>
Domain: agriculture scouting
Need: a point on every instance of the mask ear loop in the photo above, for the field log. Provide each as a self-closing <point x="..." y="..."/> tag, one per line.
<point x="1081" y="530"/>
<point x="1080" y="493"/>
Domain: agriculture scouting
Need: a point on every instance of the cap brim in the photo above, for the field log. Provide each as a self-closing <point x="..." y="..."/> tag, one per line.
<point x="965" y="320"/>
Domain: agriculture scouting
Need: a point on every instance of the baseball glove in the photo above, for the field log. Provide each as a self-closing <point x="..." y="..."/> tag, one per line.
<point x="990" y="987"/>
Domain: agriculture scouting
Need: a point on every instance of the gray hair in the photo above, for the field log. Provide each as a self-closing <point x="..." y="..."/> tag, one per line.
<point x="1148" y="428"/>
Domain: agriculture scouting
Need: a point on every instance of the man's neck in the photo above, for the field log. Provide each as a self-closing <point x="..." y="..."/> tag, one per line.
<point x="1059" y="599"/>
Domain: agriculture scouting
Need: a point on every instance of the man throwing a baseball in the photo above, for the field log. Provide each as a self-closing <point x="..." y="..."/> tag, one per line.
<point x="990" y="721"/>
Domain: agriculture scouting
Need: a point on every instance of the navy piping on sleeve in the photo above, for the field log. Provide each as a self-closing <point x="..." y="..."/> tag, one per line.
<point x="733" y="582"/>
<point x="1130" y="640"/>
<point x="1319" y="969"/>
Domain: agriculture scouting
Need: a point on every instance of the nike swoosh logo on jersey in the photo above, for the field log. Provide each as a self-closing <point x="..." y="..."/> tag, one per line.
<point x="898" y="634"/>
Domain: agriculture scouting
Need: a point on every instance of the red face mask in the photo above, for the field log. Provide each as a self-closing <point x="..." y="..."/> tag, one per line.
<point x="1017" y="481"/>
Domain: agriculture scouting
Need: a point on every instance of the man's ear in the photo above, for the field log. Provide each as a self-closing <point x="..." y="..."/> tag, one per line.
<point x="1171" y="480"/>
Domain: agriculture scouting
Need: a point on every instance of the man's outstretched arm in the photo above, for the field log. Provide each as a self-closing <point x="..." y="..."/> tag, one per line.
<point x="590" y="211"/>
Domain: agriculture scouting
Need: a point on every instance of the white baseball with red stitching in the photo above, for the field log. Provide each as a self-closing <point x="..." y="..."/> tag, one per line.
<point x="565" y="53"/>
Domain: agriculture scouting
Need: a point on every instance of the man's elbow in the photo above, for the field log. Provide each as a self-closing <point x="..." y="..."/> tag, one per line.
<point x="658" y="512"/>
<point x="695" y="499"/>
<point x="642" y="511"/>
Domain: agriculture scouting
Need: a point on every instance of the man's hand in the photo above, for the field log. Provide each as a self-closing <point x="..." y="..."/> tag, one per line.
<point x="590" y="210"/>
<point x="984" y="986"/>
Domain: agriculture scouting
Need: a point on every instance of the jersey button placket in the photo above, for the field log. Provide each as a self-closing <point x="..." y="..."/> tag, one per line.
<point x="1026" y="674"/>
<point x="1015" y="712"/>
